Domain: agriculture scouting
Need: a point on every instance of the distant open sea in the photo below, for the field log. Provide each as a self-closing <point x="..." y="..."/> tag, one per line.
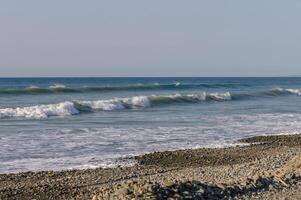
<point x="70" y="123"/>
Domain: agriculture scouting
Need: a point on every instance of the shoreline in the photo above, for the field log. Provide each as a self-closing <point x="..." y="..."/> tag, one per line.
<point x="132" y="160"/>
<point x="239" y="172"/>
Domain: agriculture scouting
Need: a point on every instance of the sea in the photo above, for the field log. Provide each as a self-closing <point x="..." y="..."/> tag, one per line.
<point x="78" y="123"/>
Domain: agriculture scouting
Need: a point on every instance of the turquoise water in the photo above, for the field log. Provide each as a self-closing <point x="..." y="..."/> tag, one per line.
<point x="66" y="123"/>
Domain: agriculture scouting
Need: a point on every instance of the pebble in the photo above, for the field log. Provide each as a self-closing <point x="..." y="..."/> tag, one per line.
<point x="214" y="177"/>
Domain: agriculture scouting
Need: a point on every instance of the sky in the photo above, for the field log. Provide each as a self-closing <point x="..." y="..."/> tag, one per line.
<point x="150" y="38"/>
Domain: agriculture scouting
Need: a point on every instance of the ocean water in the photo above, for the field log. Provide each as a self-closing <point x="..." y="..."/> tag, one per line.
<point x="71" y="123"/>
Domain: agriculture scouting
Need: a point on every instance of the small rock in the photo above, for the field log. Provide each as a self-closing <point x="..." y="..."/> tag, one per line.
<point x="135" y="187"/>
<point x="167" y="183"/>
<point x="271" y="187"/>
<point x="200" y="191"/>
<point x="94" y="197"/>
<point x="289" y="176"/>
<point x="122" y="192"/>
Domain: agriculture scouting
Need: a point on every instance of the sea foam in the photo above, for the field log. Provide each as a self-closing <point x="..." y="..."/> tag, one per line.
<point x="55" y="86"/>
<point x="75" y="107"/>
<point x="287" y="91"/>
<point x="40" y="111"/>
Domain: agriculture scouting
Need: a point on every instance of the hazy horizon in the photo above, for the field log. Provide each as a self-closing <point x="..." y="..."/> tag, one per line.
<point x="293" y="76"/>
<point x="150" y="39"/>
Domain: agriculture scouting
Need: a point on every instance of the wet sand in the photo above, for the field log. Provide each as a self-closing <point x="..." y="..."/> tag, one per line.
<point x="268" y="168"/>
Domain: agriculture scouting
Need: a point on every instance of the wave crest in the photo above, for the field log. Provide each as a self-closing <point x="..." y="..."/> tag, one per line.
<point x="286" y="91"/>
<point x="40" y="111"/>
<point x="55" y="86"/>
<point x="59" y="88"/>
<point x="76" y="107"/>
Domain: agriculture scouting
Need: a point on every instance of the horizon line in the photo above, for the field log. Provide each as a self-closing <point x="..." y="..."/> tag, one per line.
<point x="281" y="76"/>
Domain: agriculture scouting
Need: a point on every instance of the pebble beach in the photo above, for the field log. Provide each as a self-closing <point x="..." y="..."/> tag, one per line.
<point x="268" y="168"/>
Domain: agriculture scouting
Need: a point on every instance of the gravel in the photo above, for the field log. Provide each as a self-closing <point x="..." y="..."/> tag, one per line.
<point x="269" y="168"/>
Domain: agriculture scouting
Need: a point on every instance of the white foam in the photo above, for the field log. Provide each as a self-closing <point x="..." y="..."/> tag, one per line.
<point x="64" y="148"/>
<point x="137" y="101"/>
<point x="220" y="96"/>
<point x="201" y="96"/>
<point x="294" y="91"/>
<point x="33" y="87"/>
<point x="291" y="91"/>
<point x="55" y="86"/>
<point x="285" y="133"/>
<point x="40" y="111"/>
<point x="117" y="104"/>
<point x="114" y="104"/>
<point x="70" y="108"/>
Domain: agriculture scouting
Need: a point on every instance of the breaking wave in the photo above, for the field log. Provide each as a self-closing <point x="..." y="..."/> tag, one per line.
<point x="277" y="91"/>
<point x="40" y="111"/>
<point x="76" y="107"/>
<point x="270" y="93"/>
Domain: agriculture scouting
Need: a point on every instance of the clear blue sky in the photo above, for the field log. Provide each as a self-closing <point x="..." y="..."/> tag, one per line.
<point x="150" y="38"/>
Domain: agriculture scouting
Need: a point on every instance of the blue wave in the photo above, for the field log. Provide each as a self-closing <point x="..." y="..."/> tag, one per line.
<point x="63" y="89"/>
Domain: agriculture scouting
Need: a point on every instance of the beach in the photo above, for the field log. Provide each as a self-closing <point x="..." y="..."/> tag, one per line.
<point x="149" y="138"/>
<point x="79" y="123"/>
<point x="267" y="168"/>
<point x="163" y="100"/>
